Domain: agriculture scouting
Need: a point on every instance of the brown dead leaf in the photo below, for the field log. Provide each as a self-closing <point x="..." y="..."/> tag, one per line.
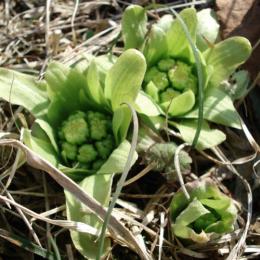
<point x="242" y="17"/>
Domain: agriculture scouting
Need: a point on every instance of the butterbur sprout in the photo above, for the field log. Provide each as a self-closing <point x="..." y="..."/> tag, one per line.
<point x="208" y="213"/>
<point x="81" y="126"/>
<point x="171" y="83"/>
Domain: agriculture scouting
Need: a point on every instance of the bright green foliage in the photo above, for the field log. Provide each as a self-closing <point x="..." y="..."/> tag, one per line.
<point x="99" y="124"/>
<point x="75" y="129"/>
<point x="186" y="48"/>
<point x="169" y="94"/>
<point x="208" y="213"/>
<point x="179" y="75"/>
<point x="105" y="147"/>
<point x="159" y="78"/>
<point x="86" y="138"/>
<point x="68" y="151"/>
<point x="152" y="90"/>
<point x="164" y="87"/>
<point x="87" y="153"/>
<point x="166" y="64"/>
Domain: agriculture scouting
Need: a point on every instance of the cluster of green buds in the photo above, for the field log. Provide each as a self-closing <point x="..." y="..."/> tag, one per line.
<point x="86" y="139"/>
<point x="169" y="79"/>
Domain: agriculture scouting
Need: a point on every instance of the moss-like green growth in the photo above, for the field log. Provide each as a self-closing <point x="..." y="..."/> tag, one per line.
<point x="86" y="139"/>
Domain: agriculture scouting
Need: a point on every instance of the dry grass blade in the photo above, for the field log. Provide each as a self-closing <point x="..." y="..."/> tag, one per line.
<point x="78" y="226"/>
<point x="115" y="226"/>
<point x="178" y="169"/>
<point x="238" y="248"/>
<point x="26" y="244"/>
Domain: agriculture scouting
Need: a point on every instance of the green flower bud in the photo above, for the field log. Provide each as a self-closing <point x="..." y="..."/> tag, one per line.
<point x="179" y="75"/>
<point x="87" y="153"/>
<point x="150" y="74"/>
<point x="69" y="151"/>
<point x="105" y="147"/>
<point x="166" y="64"/>
<point x="75" y="129"/>
<point x="159" y="78"/>
<point x="168" y="95"/>
<point x="98" y="124"/>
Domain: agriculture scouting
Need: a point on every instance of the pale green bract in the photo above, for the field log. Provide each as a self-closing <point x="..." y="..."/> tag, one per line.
<point x="67" y="98"/>
<point x="171" y="81"/>
<point x="207" y="214"/>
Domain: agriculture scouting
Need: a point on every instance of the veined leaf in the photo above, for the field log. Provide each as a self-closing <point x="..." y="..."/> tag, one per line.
<point x="134" y="22"/>
<point x="94" y="88"/>
<point x="44" y="125"/>
<point x="155" y="45"/>
<point x="121" y="120"/>
<point x="145" y="105"/>
<point x="176" y="38"/>
<point x="41" y="146"/>
<point x="208" y="137"/>
<point x="226" y="56"/>
<point x="180" y="104"/>
<point x="117" y="160"/>
<point x="65" y="87"/>
<point x="23" y="90"/>
<point x="98" y="187"/>
<point x="124" y="79"/>
<point x="218" y="108"/>
<point x="208" y="28"/>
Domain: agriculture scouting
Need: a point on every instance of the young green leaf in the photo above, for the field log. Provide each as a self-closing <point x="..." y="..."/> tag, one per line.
<point x="124" y="79"/>
<point x="208" y="137"/>
<point x="218" y="108"/>
<point x="64" y="89"/>
<point x="180" y="104"/>
<point x="121" y="121"/>
<point x="117" y="160"/>
<point x="94" y="88"/>
<point x="134" y="22"/>
<point x="98" y="187"/>
<point x="225" y="57"/>
<point x="41" y="147"/>
<point x="145" y="105"/>
<point x="155" y="46"/>
<point x="23" y="90"/>
<point x="176" y="38"/>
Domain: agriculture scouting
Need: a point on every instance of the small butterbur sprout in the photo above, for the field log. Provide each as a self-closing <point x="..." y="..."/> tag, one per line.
<point x="166" y="64"/>
<point x="208" y="213"/>
<point x="86" y="139"/>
